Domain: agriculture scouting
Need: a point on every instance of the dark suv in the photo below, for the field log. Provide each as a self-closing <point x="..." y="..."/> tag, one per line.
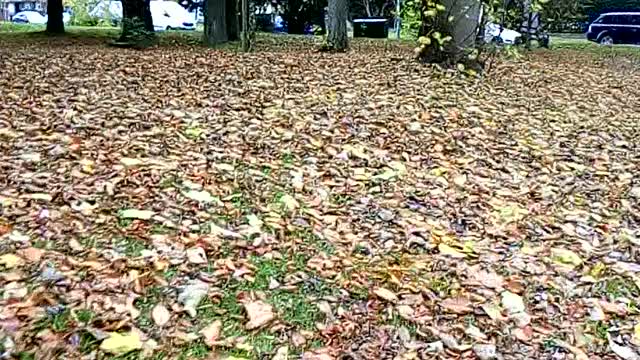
<point x="616" y="28"/>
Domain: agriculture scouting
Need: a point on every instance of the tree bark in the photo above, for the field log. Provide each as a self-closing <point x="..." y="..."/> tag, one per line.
<point x="137" y="24"/>
<point x="338" y="13"/>
<point x="233" y="25"/>
<point x="55" y="24"/>
<point x="463" y="30"/>
<point x="294" y="16"/>
<point x="215" y="28"/>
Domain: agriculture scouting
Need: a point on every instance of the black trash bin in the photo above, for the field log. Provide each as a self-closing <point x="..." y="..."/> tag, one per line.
<point x="371" y="28"/>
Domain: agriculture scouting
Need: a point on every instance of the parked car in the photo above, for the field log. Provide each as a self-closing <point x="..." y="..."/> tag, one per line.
<point x="29" y="17"/>
<point x="165" y="14"/>
<point x="495" y="33"/>
<point x="615" y="28"/>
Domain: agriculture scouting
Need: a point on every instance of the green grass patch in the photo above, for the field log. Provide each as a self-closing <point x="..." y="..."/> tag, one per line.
<point x="129" y="246"/>
<point x="599" y="329"/>
<point x="84" y="316"/>
<point x="195" y="350"/>
<point x="145" y="304"/>
<point x="58" y="322"/>
<point x="617" y="287"/>
<point x="582" y="44"/>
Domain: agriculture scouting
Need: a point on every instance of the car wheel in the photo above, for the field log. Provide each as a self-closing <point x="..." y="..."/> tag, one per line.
<point x="606" y="40"/>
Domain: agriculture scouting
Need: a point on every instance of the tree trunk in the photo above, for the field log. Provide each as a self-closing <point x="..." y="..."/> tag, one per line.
<point x="137" y="24"/>
<point x="55" y="24"/>
<point x="293" y="16"/>
<point x="457" y="38"/>
<point x="215" y="28"/>
<point x="338" y="13"/>
<point x="233" y="25"/>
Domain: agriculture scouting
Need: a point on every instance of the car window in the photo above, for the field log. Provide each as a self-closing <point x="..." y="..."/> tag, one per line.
<point x="624" y="19"/>
<point x="20" y="17"/>
<point x="635" y="20"/>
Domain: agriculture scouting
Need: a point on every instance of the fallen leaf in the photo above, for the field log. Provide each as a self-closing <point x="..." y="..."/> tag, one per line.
<point x="565" y="257"/>
<point x="386" y="294"/>
<point x="523" y="334"/>
<point x="118" y="344"/>
<point x="457" y="305"/>
<point x="160" y="315"/>
<point x="260" y="313"/>
<point x="10" y="261"/>
<point x="202" y="196"/>
<point x="493" y="311"/>
<point x="31" y="254"/>
<point x="448" y="250"/>
<point x="212" y="332"/>
<point x="196" y="255"/>
<point x="136" y="214"/>
<point x="281" y="354"/>
<point x="512" y="302"/>
<point x="624" y="352"/>
<point x="485" y="351"/>
<point x="579" y="354"/>
<point x="131" y="162"/>
<point x="191" y="294"/>
<point x="289" y="202"/>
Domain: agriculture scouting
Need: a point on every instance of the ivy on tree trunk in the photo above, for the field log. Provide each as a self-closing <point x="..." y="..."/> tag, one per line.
<point x="137" y="24"/>
<point x="337" y="39"/>
<point x="449" y="31"/>
<point x="55" y="24"/>
<point x="215" y="27"/>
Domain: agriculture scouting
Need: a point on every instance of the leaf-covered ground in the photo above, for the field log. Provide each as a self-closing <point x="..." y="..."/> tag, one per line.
<point x="190" y="203"/>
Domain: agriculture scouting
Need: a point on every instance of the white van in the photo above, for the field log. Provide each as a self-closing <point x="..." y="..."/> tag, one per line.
<point x="170" y="15"/>
<point x="166" y="15"/>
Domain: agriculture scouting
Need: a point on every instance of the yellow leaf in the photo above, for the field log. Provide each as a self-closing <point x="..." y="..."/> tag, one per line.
<point x="386" y="294"/>
<point x="289" y="202"/>
<point x="10" y="261"/>
<point x="438" y="171"/>
<point x="565" y="257"/>
<point x="636" y="334"/>
<point x="119" y="344"/>
<point x="448" y="250"/>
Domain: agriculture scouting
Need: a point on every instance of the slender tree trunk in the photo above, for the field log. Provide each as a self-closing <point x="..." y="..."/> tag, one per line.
<point x="215" y="28"/>
<point x="338" y="13"/>
<point x="55" y="24"/>
<point x="137" y="24"/>
<point x="459" y="21"/>
<point x="367" y="7"/>
<point x="233" y="26"/>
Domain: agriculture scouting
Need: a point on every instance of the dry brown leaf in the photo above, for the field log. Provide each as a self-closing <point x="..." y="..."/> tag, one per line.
<point x="212" y="332"/>
<point x="160" y="315"/>
<point x="458" y="305"/>
<point x="259" y="313"/>
<point x="386" y="294"/>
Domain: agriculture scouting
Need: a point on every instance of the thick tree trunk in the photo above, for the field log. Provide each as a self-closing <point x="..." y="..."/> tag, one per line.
<point x="215" y="28"/>
<point x="338" y="13"/>
<point x="233" y="25"/>
<point x="462" y="30"/>
<point x="55" y="24"/>
<point x="137" y="24"/>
